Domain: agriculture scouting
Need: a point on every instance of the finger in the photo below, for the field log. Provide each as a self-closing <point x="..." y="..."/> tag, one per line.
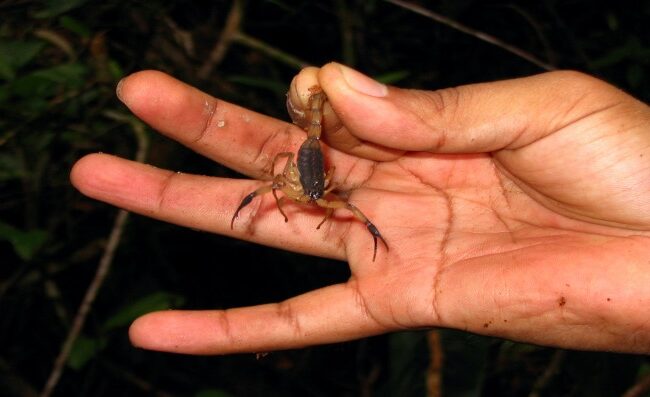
<point x="466" y="119"/>
<point x="327" y="315"/>
<point x="234" y="136"/>
<point x="209" y="203"/>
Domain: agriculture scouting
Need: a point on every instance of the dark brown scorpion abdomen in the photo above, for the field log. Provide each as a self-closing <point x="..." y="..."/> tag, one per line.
<point x="312" y="168"/>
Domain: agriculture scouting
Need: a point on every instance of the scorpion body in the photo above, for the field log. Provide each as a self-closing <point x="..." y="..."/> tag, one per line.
<point x="311" y="168"/>
<point x="306" y="181"/>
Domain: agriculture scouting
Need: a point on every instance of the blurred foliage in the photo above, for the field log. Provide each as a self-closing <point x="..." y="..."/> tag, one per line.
<point x="59" y="64"/>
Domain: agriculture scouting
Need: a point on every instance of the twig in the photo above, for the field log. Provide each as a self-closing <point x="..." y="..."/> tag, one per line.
<point x="231" y="27"/>
<point x="102" y="269"/>
<point x="14" y="384"/>
<point x="243" y="38"/>
<point x="148" y="388"/>
<point x="640" y="388"/>
<point x="434" y="372"/>
<point x="346" y="28"/>
<point x="472" y="32"/>
<point x="232" y="33"/>
<point x="535" y="25"/>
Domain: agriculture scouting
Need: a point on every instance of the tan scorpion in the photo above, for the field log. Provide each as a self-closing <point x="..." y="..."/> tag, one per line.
<point x="306" y="181"/>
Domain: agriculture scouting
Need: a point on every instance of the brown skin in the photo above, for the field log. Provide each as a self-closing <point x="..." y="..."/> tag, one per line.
<point x="518" y="209"/>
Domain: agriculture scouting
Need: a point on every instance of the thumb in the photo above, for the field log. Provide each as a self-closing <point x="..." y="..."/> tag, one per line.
<point x="473" y="118"/>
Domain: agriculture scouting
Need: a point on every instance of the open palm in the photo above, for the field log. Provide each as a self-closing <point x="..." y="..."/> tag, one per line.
<point x="509" y="209"/>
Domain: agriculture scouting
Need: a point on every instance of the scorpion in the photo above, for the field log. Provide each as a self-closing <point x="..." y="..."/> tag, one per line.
<point x="306" y="181"/>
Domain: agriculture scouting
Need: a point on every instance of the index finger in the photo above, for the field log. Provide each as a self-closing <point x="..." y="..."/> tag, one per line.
<point x="234" y="136"/>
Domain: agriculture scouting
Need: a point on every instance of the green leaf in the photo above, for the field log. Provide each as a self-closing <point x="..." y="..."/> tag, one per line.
<point x="10" y="168"/>
<point x="14" y="54"/>
<point x="156" y="301"/>
<point x="58" y="7"/>
<point x="5" y="92"/>
<point x="44" y="83"/>
<point x="25" y="243"/>
<point x="71" y="74"/>
<point x="644" y="370"/>
<point x="115" y="69"/>
<point x="635" y="75"/>
<point x="6" y="71"/>
<point x="212" y="393"/>
<point x="406" y="375"/>
<point x="75" y="26"/>
<point x="83" y="350"/>
<point x="275" y="86"/>
<point x="393" y="77"/>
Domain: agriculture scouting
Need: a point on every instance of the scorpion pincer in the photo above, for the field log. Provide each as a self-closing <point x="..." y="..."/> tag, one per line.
<point x="306" y="181"/>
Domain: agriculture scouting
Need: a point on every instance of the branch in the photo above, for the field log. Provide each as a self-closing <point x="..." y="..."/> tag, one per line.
<point x="102" y="270"/>
<point x="436" y="361"/>
<point x="640" y="388"/>
<point x="472" y="32"/>
<point x="232" y="33"/>
<point x="233" y="22"/>
<point x="243" y="38"/>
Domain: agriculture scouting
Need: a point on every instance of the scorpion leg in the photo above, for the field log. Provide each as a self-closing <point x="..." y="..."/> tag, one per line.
<point x="289" y="157"/>
<point x="329" y="186"/>
<point x="328" y="213"/>
<point x="332" y="205"/>
<point x="278" y="201"/>
<point x="247" y="200"/>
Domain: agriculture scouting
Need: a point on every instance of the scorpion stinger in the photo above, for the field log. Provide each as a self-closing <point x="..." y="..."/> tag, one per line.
<point x="305" y="181"/>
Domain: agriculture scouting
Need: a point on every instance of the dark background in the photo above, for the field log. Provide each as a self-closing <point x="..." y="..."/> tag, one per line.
<point x="59" y="64"/>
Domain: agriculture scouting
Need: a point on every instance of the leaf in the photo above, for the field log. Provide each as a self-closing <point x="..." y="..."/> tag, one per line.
<point x="6" y="71"/>
<point x="14" y="54"/>
<point x="632" y="49"/>
<point x="635" y="75"/>
<point x="153" y="302"/>
<point x="25" y="243"/>
<point x="83" y="350"/>
<point x="44" y="83"/>
<point x="406" y="374"/>
<point x="212" y="393"/>
<point x="10" y="167"/>
<point x="71" y="74"/>
<point x="274" y="86"/>
<point x="393" y="77"/>
<point x="644" y="370"/>
<point x="74" y="25"/>
<point x="58" y="7"/>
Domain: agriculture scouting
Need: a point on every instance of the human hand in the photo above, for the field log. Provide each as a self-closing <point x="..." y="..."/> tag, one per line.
<point x="517" y="209"/>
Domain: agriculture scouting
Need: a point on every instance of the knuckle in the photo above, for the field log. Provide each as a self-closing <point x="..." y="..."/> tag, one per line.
<point x="286" y="312"/>
<point x="444" y="101"/>
<point x="277" y="142"/>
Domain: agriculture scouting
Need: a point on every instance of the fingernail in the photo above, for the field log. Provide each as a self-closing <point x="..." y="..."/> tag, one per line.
<point x="118" y="89"/>
<point x="362" y="83"/>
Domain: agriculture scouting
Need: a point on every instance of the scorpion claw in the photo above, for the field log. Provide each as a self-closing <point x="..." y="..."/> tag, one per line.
<point x="375" y="235"/>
